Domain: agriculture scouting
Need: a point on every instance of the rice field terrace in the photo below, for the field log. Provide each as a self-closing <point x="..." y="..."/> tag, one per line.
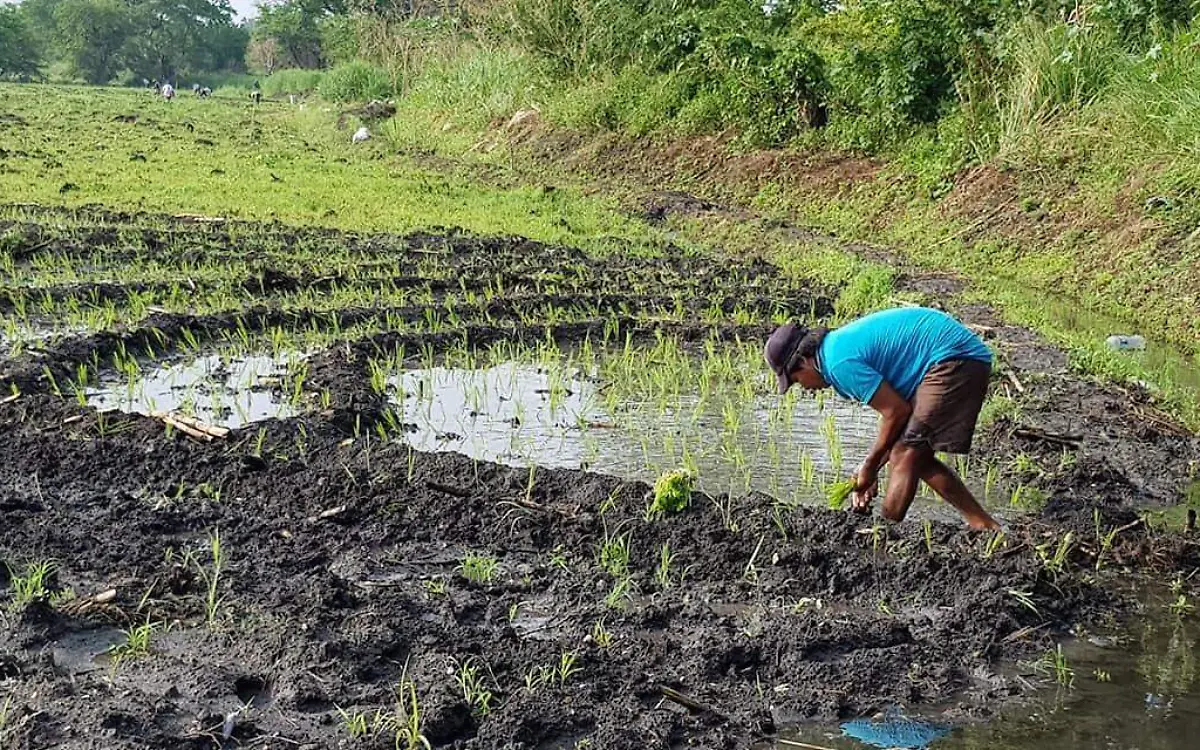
<point x="267" y="484"/>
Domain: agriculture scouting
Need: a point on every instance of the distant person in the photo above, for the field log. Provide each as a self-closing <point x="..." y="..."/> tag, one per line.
<point x="924" y="371"/>
<point x="256" y="94"/>
<point x="167" y="91"/>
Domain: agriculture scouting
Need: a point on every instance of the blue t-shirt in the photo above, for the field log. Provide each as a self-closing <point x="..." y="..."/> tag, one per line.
<point x="897" y="346"/>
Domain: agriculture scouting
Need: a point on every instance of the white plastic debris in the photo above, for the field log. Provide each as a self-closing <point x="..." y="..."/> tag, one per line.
<point x="1125" y="343"/>
<point x="361" y="135"/>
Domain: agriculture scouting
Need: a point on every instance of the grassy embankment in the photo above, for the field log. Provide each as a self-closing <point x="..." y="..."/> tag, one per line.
<point x="1060" y="181"/>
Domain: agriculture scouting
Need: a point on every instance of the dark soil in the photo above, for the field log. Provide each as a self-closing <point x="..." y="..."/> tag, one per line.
<point x="343" y="582"/>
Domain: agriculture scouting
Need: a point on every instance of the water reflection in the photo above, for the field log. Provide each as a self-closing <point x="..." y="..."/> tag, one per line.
<point x="223" y="391"/>
<point x="1136" y="690"/>
<point x="520" y="414"/>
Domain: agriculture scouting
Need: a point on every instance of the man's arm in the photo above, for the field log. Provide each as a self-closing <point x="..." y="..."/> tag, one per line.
<point x="895" y="411"/>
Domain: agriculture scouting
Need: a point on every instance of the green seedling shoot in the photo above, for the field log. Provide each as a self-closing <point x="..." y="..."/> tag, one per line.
<point x="837" y="492"/>
<point x="672" y="493"/>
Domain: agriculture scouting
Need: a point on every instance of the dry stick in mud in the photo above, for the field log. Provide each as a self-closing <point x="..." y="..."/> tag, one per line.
<point x="203" y="437"/>
<point x="689" y="703"/>
<point x="1030" y="433"/>
<point x="191" y="426"/>
<point x="925" y="372"/>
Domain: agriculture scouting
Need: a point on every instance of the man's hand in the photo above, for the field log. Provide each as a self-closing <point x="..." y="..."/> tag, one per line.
<point x="866" y="485"/>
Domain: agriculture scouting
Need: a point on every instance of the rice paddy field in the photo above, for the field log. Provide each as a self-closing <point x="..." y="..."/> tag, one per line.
<point x="308" y="444"/>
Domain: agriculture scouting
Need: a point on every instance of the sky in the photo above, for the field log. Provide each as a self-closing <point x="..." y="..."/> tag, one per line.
<point x="242" y="8"/>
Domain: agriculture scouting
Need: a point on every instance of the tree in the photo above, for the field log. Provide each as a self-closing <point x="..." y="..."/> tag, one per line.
<point x="90" y="35"/>
<point x="39" y="19"/>
<point x="19" y="55"/>
<point x="295" y="25"/>
<point x="178" y="34"/>
<point x="263" y="55"/>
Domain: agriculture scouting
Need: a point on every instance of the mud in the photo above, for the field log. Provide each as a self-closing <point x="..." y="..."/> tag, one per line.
<point x="335" y="559"/>
<point x="343" y="580"/>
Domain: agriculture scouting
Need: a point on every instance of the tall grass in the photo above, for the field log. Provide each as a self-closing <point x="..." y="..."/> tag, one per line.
<point x="576" y="37"/>
<point x="1057" y="70"/>
<point x="458" y="91"/>
<point x="292" y="81"/>
<point x="1152" y="106"/>
<point x="356" y="82"/>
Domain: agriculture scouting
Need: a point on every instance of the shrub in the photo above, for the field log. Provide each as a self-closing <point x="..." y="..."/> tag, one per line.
<point x="292" y="81"/>
<point x="1054" y="69"/>
<point x="356" y="82"/>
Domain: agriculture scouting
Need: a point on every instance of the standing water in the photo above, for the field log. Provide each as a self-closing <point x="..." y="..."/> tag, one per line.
<point x="561" y="417"/>
<point x="1136" y="691"/>
<point x="224" y="391"/>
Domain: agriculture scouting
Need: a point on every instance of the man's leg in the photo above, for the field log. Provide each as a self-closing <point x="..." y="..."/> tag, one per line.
<point x="942" y="480"/>
<point x="909" y="464"/>
<point x="906" y="462"/>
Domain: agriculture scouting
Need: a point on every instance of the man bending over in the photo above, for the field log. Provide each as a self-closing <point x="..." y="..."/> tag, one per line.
<point x="925" y="372"/>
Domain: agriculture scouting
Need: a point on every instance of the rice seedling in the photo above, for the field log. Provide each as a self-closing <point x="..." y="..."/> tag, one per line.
<point x="1025" y="465"/>
<point x="434" y="587"/>
<point x="724" y="505"/>
<point x="1025" y="598"/>
<point x="357" y="725"/>
<point x="558" y="558"/>
<point x="995" y="542"/>
<point x="538" y="676"/>
<point x="407" y="720"/>
<point x="991" y="476"/>
<point x="1055" y="562"/>
<point x="808" y="469"/>
<point x="1104" y="539"/>
<point x="837" y="492"/>
<point x="662" y="574"/>
<point x="1181" y="606"/>
<point x="478" y="568"/>
<point x="474" y="688"/>
<point x="1101" y="675"/>
<point x="30" y="586"/>
<point x="750" y="572"/>
<point x="806" y="603"/>
<point x="1054" y="664"/>
<point x="529" y="483"/>
<point x="136" y="644"/>
<point x="211" y="576"/>
<point x="567" y="667"/>
<point x="620" y="594"/>
<point x="613" y="554"/>
<point x="600" y="635"/>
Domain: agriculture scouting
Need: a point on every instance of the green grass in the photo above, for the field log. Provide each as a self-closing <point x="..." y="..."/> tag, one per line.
<point x="268" y="162"/>
<point x="31" y="585"/>
<point x="1082" y="136"/>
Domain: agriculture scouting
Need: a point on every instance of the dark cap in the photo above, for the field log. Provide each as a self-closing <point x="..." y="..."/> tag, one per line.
<point x="781" y="347"/>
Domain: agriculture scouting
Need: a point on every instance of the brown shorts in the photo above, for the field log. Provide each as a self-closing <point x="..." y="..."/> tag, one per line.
<point x="946" y="405"/>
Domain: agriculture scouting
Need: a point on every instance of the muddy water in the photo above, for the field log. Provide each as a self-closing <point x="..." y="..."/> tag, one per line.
<point x="521" y="414"/>
<point x="1139" y="690"/>
<point x="222" y="391"/>
<point x="1168" y="362"/>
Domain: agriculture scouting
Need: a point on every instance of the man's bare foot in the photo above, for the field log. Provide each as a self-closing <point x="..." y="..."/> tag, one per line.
<point x="983" y="524"/>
